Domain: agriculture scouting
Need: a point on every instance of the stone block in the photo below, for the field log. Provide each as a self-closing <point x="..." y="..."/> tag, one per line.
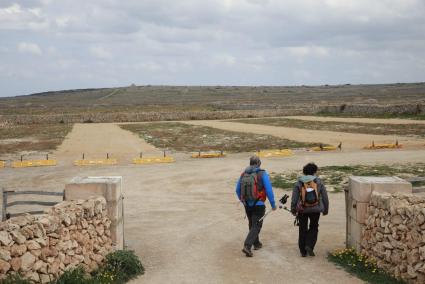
<point x="115" y="209"/>
<point x="391" y="185"/>
<point x="348" y="225"/>
<point x="359" y="211"/>
<point x="360" y="188"/>
<point x="356" y="232"/>
<point x="85" y="187"/>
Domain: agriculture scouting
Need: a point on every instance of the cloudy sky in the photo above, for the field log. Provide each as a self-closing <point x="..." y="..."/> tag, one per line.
<point x="66" y="44"/>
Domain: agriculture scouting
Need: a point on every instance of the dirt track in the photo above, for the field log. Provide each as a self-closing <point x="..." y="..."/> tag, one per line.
<point x="351" y="141"/>
<point x="184" y="221"/>
<point x="95" y="140"/>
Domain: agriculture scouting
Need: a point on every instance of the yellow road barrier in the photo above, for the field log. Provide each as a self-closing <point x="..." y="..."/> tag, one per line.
<point x="209" y="155"/>
<point x="2" y="164"/>
<point x="274" y="153"/>
<point x="324" y="148"/>
<point x="99" y="162"/>
<point x="33" y="163"/>
<point x="153" y="160"/>
<point x="383" y="146"/>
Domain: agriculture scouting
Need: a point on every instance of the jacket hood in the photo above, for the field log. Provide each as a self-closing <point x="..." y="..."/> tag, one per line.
<point x="316" y="180"/>
<point x="251" y="169"/>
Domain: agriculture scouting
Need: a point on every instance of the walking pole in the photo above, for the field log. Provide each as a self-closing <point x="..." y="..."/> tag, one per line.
<point x="265" y="215"/>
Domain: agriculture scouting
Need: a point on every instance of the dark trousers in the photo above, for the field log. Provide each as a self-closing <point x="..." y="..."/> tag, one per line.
<point x="254" y="214"/>
<point x="308" y="233"/>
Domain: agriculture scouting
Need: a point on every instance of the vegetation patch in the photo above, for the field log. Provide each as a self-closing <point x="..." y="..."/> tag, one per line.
<point x="185" y="137"/>
<point x="336" y="177"/>
<point x="119" y="267"/>
<point x="16" y="138"/>
<point x="362" y="267"/>
<point x="349" y="127"/>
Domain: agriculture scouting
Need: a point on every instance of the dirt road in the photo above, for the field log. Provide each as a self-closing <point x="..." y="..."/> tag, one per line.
<point x="359" y="120"/>
<point x="184" y="221"/>
<point x="351" y="141"/>
<point x="97" y="139"/>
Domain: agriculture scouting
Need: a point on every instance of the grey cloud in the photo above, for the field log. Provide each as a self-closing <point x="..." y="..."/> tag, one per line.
<point x="103" y="43"/>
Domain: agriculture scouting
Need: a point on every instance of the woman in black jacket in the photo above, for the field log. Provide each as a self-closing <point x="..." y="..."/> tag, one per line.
<point x="309" y="199"/>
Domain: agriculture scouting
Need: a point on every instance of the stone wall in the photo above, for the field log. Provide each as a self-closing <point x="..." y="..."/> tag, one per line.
<point x="147" y="116"/>
<point x="373" y="109"/>
<point x="394" y="234"/>
<point x="71" y="233"/>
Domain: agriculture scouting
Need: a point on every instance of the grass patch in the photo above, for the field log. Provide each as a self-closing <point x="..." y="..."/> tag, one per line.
<point x="35" y="137"/>
<point x="119" y="267"/>
<point x="360" y="266"/>
<point x="336" y="177"/>
<point x="349" y="127"/>
<point x="283" y="181"/>
<point x="184" y="137"/>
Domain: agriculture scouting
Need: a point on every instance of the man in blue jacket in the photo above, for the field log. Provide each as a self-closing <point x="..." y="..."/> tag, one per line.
<point x="252" y="189"/>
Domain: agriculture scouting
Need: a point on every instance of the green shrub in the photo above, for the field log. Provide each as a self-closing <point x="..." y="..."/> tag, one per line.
<point x="361" y="266"/>
<point x="71" y="276"/>
<point x="121" y="266"/>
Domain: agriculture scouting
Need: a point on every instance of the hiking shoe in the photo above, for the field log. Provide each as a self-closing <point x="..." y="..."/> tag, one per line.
<point x="247" y="251"/>
<point x="258" y="246"/>
<point x="309" y="251"/>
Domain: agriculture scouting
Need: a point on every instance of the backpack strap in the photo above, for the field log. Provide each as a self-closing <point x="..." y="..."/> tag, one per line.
<point x="260" y="179"/>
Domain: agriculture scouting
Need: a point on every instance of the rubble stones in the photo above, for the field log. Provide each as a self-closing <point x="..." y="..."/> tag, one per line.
<point x="71" y="233"/>
<point x="394" y="235"/>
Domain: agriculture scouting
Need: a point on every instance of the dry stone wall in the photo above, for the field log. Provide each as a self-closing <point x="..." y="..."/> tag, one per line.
<point x="374" y="109"/>
<point x="146" y="116"/>
<point x="394" y="234"/>
<point x="71" y="233"/>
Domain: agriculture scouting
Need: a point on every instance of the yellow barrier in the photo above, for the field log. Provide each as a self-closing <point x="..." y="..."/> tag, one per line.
<point x="95" y="162"/>
<point x="324" y="148"/>
<point x="383" y="146"/>
<point x="209" y="155"/>
<point x="153" y="160"/>
<point x="275" y="153"/>
<point x="33" y="163"/>
<point x="2" y="164"/>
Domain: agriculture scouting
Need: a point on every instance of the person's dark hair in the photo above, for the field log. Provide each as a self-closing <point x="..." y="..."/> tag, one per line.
<point x="254" y="161"/>
<point x="310" y="169"/>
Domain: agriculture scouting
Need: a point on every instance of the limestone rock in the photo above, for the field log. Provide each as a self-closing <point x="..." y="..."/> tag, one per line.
<point x="5" y="255"/>
<point x="45" y="278"/>
<point x="32" y="244"/>
<point x="16" y="263"/>
<point x="5" y="238"/>
<point x="18" y="250"/>
<point x="18" y="237"/>
<point x="4" y="266"/>
<point x="28" y="261"/>
<point x="33" y="276"/>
